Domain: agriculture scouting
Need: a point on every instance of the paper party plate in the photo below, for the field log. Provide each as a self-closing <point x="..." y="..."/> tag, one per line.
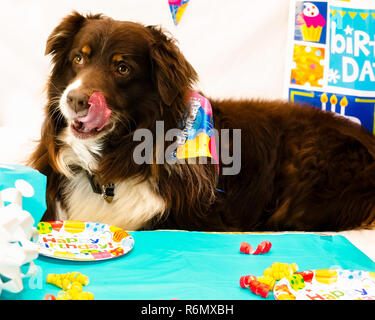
<point x="82" y="240"/>
<point x="329" y="284"/>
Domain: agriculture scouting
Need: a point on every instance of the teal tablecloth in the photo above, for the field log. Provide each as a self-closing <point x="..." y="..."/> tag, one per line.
<point x="195" y="265"/>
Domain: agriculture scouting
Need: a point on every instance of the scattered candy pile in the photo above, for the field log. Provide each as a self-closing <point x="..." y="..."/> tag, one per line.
<point x="261" y="286"/>
<point x="72" y="285"/>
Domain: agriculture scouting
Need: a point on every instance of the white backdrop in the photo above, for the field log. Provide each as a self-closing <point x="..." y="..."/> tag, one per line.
<point x="237" y="47"/>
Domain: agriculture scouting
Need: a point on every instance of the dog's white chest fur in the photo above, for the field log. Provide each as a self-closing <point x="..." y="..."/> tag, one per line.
<point x="133" y="205"/>
<point x="134" y="202"/>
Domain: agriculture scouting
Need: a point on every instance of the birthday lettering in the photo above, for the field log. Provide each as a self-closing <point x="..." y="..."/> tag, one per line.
<point x="350" y="70"/>
<point x="60" y="240"/>
<point x="332" y="295"/>
<point x="359" y="43"/>
<point x="67" y="243"/>
<point x="103" y="246"/>
<point x="362" y="291"/>
<point x="59" y="245"/>
<point x="337" y="293"/>
<point x="315" y="297"/>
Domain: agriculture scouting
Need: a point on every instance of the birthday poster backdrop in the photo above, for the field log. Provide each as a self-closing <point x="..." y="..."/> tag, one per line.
<point x="331" y="58"/>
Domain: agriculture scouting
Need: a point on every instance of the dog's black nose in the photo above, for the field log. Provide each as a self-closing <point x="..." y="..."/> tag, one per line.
<point x="77" y="100"/>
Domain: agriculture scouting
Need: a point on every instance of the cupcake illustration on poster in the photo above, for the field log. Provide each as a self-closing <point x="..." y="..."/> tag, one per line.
<point x="311" y="20"/>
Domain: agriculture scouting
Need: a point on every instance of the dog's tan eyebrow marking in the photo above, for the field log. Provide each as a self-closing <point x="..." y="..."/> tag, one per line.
<point x="117" y="57"/>
<point x="86" y="50"/>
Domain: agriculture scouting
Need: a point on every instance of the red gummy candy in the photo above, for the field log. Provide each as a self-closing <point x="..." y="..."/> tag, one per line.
<point x="245" y="247"/>
<point x="306" y="275"/>
<point x="267" y="246"/>
<point x="259" y="288"/>
<point x="245" y="280"/>
<point x="263" y="247"/>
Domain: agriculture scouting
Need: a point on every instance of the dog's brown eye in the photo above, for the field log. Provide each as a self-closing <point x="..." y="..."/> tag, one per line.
<point x="122" y="69"/>
<point x="78" y="59"/>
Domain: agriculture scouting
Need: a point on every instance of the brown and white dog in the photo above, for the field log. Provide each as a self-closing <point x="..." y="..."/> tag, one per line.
<point x="301" y="168"/>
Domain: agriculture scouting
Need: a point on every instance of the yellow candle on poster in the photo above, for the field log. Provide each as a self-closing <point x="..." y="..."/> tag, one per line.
<point x="333" y="101"/>
<point x="343" y="105"/>
<point x="324" y="100"/>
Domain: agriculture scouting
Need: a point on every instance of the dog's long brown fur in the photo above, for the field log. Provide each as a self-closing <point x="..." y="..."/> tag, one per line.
<point x="301" y="168"/>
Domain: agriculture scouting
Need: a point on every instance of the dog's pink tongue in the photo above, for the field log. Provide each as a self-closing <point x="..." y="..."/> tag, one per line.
<point x="99" y="112"/>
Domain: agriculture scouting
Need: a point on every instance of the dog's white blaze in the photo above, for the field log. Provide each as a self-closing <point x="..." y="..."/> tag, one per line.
<point x="133" y="205"/>
<point x="65" y="109"/>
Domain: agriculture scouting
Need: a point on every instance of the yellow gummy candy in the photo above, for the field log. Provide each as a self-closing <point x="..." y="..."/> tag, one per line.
<point x="79" y="277"/>
<point x="58" y="281"/>
<point x="280" y="270"/>
<point x="74" y="276"/>
<point x="270" y="281"/>
<point x="76" y="287"/>
<point x="84" y="296"/>
<point x="296" y="282"/>
<point x="63" y="295"/>
<point x="71" y="283"/>
<point x="72" y="295"/>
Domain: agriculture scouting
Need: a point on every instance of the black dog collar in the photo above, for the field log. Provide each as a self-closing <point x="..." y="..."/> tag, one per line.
<point x="106" y="190"/>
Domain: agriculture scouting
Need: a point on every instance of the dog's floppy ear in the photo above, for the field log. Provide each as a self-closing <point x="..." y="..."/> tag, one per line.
<point x="171" y="72"/>
<point x="61" y="39"/>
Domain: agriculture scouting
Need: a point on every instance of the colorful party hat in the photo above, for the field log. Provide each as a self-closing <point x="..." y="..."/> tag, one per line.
<point x="177" y="9"/>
